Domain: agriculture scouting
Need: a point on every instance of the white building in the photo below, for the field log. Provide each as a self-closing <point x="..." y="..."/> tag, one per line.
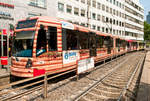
<point x="118" y="17"/>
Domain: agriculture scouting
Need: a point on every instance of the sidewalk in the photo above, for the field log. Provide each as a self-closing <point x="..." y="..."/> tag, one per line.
<point x="144" y="88"/>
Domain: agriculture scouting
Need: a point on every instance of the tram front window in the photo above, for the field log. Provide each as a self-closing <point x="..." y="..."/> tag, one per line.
<point x="23" y="44"/>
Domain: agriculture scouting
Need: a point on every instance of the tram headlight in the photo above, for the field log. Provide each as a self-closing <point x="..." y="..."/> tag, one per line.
<point x="29" y="63"/>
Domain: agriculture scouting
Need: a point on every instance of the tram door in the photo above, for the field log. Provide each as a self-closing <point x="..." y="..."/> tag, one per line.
<point x="92" y="44"/>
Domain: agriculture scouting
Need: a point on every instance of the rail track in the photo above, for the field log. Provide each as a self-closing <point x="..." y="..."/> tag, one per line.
<point x="70" y="89"/>
<point x="113" y="85"/>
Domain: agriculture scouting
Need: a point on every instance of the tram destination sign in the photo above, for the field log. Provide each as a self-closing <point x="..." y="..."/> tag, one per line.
<point x="26" y="24"/>
<point x="67" y="25"/>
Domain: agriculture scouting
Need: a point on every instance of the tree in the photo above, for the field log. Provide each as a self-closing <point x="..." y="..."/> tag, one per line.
<point x="146" y="31"/>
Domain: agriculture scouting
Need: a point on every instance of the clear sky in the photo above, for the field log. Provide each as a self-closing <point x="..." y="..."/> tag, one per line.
<point x="146" y="5"/>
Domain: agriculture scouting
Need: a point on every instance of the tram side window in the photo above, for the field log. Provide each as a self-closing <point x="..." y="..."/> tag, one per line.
<point x="41" y="42"/>
<point x="52" y="38"/>
<point x="118" y="43"/>
<point x="111" y="42"/>
<point x="108" y="42"/>
<point x="72" y="40"/>
<point x="83" y="40"/>
<point x="100" y="41"/>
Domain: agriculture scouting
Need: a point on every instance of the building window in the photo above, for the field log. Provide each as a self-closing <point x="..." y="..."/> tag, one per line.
<point x="106" y="30"/>
<point x="117" y="3"/>
<point x="98" y="17"/>
<point x="114" y="32"/>
<point x="83" y="1"/>
<point x="120" y="14"/>
<point x="94" y="3"/>
<point x="98" y="28"/>
<point x="69" y="9"/>
<point x="114" y="12"/>
<point x="93" y="27"/>
<point x="38" y="3"/>
<point x="103" y="29"/>
<point x="110" y="1"/>
<point x="110" y="21"/>
<point x="107" y="19"/>
<point x="120" y="5"/>
<point x="107" y="9"/>
<point x="103" y="7"/>
<point x="117" y="22"/>
<point x="114" y="22"/>
<point x="103" y="18"/>
<point x="61" y="7"/>
<point x="82" y="13"/>
<point x="120" y="32"/>
<point x="110" y="10"/>
<point x="120" y="23"/>
<point x="117" y="32"/>
<point x="76" y="11"/>
<point x="89" y="2"/>
<point x="111" y="30"/>
<point x="94" y="16"/>
<point x="98" y="5"/>
<point x="114" y="2"/>
<point x="117" y="13"/>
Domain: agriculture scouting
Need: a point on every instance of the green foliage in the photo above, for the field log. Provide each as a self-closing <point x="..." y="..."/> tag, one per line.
<point x="146" y="31"/>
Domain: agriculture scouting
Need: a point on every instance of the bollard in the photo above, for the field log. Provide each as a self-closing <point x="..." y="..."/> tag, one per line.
<point x="45" y="86"/>
<point x="77" y="77"/>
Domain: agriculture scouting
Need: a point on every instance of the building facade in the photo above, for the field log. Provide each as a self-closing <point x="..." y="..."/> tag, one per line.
<point x="6" y="14"/>
<point x="148" y="18"/>
<point x="124" y="18"/>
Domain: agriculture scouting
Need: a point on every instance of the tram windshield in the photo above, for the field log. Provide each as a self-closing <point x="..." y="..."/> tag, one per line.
<point x="23" y="44"/>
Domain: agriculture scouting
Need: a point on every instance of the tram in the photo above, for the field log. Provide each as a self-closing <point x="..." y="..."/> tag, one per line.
<point x="45" y="44"/>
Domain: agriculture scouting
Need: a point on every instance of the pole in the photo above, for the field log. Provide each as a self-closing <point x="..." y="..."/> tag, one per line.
<point x="45" y="86"/>
<point x="2" y="53"/>
<point x="2" y="50"/>
<point x="7" y="48"/>
<point x="8" y="44"/>
<point x="88" y="14"/>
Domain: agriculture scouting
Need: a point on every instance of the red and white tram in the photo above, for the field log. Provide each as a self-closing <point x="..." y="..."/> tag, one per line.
<point x="44" y="44"/>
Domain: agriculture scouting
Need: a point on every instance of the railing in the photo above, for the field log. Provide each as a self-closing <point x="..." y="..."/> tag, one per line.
<point x="44" y="86"/>
<point x="44" y="80"/>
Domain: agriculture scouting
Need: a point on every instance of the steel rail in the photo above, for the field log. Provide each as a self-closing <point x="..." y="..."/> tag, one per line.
<point x="141" y="61"/>
<point x="97" y="82"/>
<point x="23" y="93"/>
<point x="40" y="81"/>
<point x="29" y="79"/>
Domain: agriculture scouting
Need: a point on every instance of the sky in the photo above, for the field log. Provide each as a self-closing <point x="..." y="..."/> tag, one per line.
<point x="146" y="5"/>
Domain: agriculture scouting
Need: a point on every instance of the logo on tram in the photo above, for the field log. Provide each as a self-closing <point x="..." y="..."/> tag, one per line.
<point x="70" y="56"/>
